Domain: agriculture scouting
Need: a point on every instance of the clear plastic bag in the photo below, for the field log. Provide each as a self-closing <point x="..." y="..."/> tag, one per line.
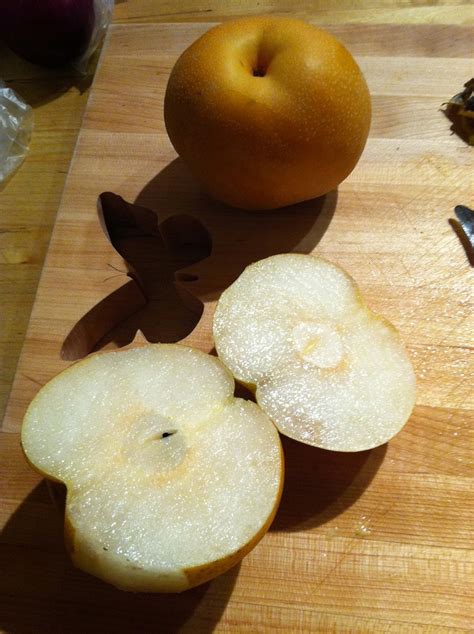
<point x="16" y="125"/>
<point x="103" y="16"/>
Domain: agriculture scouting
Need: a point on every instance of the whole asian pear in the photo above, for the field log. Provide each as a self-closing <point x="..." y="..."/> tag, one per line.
<point x="267" y="111"/>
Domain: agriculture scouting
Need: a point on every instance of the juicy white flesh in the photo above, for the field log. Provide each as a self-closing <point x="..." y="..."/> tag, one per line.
<point x="328" y="371"/>
<point x="146" y="508"/>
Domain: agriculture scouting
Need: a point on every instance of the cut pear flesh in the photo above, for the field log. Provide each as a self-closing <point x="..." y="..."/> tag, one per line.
<point x="326" y="369"/>
<point x="170" y="479"/>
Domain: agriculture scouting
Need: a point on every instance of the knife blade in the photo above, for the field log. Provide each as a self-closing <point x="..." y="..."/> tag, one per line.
<point x="466" y="220"/>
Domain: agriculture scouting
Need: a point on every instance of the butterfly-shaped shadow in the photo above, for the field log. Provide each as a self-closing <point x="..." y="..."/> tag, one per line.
<point x="151" y="302"/>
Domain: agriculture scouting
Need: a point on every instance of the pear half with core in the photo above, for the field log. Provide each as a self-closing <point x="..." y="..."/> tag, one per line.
<point x="326" y="369"/>
<point x="170" y="479"/>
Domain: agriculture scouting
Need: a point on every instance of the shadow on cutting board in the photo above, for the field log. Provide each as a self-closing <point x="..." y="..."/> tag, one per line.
<point x="48" y="83"/>
<point x="181" y="249"/>
<point x="320" y="484"/>
<point x="238" y="237"/>
<point x="41" y="591"/>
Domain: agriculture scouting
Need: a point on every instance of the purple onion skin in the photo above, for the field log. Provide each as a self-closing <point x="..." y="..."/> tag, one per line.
<point x="47" y="32"/>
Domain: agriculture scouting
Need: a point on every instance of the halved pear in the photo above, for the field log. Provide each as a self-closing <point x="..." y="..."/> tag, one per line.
<point x="326" y="369"/>
<point x="170" y="479"/>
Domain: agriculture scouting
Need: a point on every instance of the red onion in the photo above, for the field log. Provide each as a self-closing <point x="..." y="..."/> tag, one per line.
<point x="47" y="32"/>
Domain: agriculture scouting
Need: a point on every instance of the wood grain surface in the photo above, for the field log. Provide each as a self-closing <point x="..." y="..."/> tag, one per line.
<point x="29" y="201"/>
<point x="319" y="11"/>
<point x="371" y="542"/>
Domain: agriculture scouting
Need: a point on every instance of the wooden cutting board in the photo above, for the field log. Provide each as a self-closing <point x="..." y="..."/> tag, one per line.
<point x="376" y="541"/>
